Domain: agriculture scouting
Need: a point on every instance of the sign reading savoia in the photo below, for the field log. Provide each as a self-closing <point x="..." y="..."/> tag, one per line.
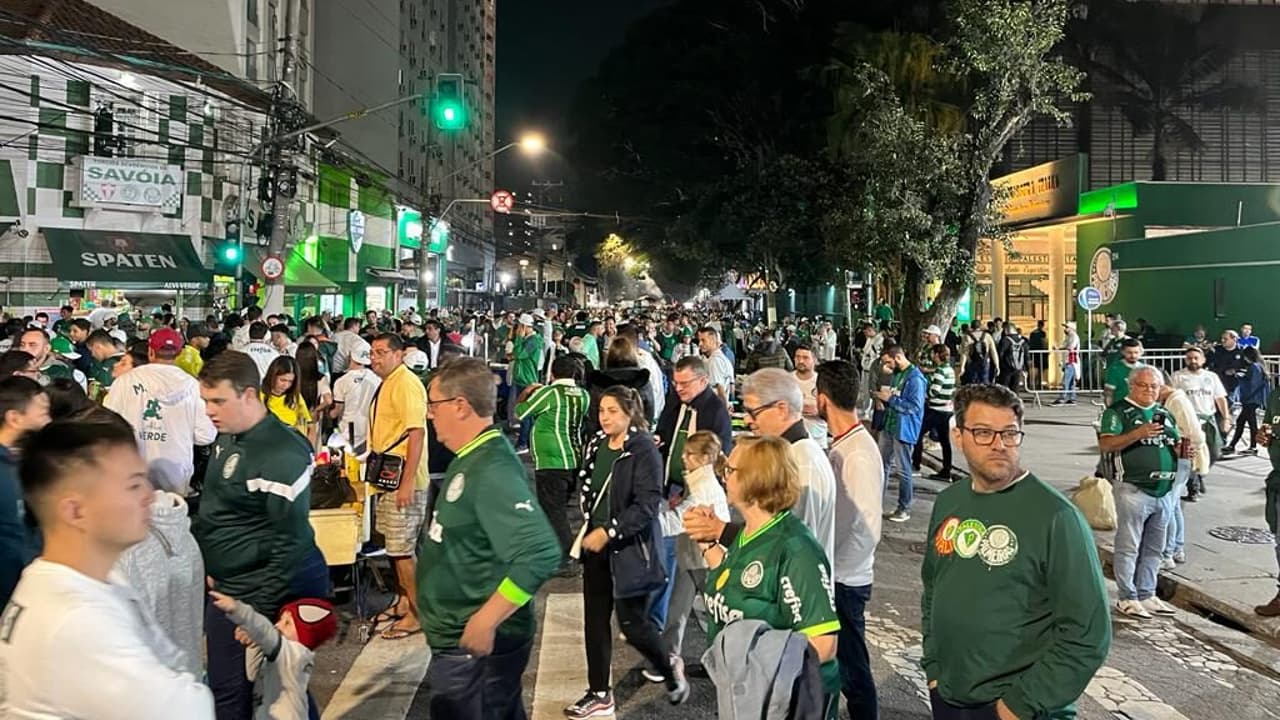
<point x="128" y="181"/>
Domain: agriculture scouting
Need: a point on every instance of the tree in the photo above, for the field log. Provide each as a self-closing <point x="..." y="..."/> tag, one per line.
<point x="1160" y="75"/>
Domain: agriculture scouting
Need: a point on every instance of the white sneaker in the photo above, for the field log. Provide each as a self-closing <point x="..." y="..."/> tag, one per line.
<point x="1168" y="564"/>
<point x="1180" y="557"/>
<point x="899" y="516"/>
<point x="1132" y="608"/>
<point x="1156" y="606"/>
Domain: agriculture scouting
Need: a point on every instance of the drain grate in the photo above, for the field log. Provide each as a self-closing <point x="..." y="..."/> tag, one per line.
<point x="1243" y="535"/>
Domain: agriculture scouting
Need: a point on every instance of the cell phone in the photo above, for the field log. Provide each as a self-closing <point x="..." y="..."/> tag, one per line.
<point x="1160" y="419"/>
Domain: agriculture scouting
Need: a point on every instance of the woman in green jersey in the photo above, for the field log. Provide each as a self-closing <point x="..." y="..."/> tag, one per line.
<point x="776" y="571"/>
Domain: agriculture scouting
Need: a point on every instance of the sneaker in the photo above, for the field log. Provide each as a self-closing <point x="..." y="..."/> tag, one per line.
<point x="900" y="516"/>
<point x="1071" y="402"/>
<point x="1156" y="606"/>
<point x="1190" y="498"/>
<point x="522" y="450"/>
<point x="1132" y="608"/>
<point x="652" y="675"/>
<point x="1168" y="564"/>
<point x="944" y="476"/>
<point x="1059" y="401"/>
<point x="1228" y="451"/>
<point x="1249" y="451"/>
<point x="679" y="691"/>
<point x="677" y="668"/>
<point x="591" y="705"/>
<point x="1180" y="557"/>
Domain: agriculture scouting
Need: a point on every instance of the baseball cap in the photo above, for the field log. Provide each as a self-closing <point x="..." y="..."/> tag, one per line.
<point x="526" y="319"/>
<point x="313" y="619"/>
<point x="539" y="313"/>
<point x="63" y="347"/>
<point x="165" y="339"/>
<point x="1069" y="324"/>
<point x="120" y="335"/>
<point x="933" y="330"/>
<point x="416" y="360"/>
<point x="360" y="355"/>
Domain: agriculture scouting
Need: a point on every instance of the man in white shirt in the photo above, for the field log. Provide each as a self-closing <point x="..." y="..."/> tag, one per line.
<point x="87" y="485"/>
<point x="824" y="342"/>
<point x="805" y="374"/>
<point x="431" y="343"/>
<point x="260" y="348"/>
<point x="240" y="338"/>
<point x="870" y="357"/>
<point x="773" y="402"/>
<point x="855" y="460"/>
<point x="282" y="340"/>
<point x="1208" y="396"/>
<point x="352" y="396"/>
<point x="162" y="403"/>
<point x="347" y="340"/>
<point x="718" y="365"/>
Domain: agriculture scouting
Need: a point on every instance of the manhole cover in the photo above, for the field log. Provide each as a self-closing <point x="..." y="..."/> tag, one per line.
<point x="1244" y="535"/>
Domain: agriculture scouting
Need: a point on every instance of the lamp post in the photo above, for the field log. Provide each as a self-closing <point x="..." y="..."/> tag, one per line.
<point x="524" y="263"/>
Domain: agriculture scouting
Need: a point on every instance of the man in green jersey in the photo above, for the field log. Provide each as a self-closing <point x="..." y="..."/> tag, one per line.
<point x="526" y="361"/>
<point x="1271" y="422"/>
<point x="1014" y="609"/>
<point x="486" y="552"/>
<point x="1117" y="379"/>
<point x="102" y="348"/>
<point x="668" y="337"/>
<point x="1146" y="443"/>
<point x="36" y="343"/>
<point x="557" y="411"/>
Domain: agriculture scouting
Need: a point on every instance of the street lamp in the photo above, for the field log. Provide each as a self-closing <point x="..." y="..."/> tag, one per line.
<point x="530" y="143"/>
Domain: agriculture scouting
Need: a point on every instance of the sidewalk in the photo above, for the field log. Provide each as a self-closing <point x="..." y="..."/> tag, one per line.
<point x="1222" y="577"/>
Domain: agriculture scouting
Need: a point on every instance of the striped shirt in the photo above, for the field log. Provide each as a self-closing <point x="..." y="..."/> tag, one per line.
<point x="557" y="411"/>
<point x="942" y="385"/>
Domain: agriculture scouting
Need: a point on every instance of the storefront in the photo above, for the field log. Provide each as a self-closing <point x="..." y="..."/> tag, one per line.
<point x="307" y="290"/>
<point x="140" y="268"/>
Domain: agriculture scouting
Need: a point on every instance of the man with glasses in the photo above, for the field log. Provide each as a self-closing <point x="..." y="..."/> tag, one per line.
<point x="1014" y="610"/>
<point x="699" y="409"/>
<point x="397" y="426"/>
<point x="904" y="400"/>
<point x="1147" y="445"/>
<point x="488" y="550"/>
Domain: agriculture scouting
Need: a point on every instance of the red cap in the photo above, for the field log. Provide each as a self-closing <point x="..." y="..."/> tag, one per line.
<point x="164" y="339"/>
<point x="314" y="619"/>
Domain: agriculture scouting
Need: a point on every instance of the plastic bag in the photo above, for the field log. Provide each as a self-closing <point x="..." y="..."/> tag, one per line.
<point x="1096" y="503"/>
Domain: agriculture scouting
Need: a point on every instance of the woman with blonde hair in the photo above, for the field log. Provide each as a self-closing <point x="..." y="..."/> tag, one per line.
<point x="776" y="571"/>
<point x="702" y="457"/>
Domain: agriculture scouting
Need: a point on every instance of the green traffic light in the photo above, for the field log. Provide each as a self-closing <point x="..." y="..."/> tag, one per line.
<point x="450" y="115"/>
<point x="231" y="253"/>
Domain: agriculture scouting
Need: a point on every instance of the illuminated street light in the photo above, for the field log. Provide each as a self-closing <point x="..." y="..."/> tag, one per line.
<point x="524" y="262"/>
<point x="533" y="143"/>
<point x="505" y="278"/>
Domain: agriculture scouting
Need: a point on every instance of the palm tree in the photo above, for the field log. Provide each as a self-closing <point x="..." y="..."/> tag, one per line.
<point x="1158" y="76"/>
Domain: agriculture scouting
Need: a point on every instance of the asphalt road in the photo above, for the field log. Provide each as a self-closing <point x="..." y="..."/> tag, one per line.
<point x="1156" y="669"/>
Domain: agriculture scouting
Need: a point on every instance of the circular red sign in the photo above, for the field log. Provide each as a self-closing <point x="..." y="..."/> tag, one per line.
<point x="502" y="201"/>
<point x="272" y="267"/>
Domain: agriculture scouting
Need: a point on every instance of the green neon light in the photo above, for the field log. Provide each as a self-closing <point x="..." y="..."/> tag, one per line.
<point x="1119" y="197"/>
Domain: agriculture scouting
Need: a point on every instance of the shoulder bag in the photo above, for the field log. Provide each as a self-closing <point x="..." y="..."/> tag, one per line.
<point x="383" y="470"/>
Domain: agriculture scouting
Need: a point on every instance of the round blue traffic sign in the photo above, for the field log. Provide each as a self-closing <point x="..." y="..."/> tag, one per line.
<point x="1090" y="298"/>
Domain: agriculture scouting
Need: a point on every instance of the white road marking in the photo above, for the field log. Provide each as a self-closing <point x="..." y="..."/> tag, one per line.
<point x="562" y="667"/>
<point x="382" y="682"/>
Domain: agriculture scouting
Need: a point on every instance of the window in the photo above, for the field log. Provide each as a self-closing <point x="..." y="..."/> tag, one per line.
<point x="251" y="59"/>
<point x="252" y="11"/>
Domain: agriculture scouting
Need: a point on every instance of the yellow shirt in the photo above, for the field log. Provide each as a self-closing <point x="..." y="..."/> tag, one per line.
<point x="189" y="359"/>
<point x="294" y="417"/>
<point x="400" y="405"/>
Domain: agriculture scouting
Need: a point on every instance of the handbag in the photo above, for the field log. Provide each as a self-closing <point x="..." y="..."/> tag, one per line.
<point x="383" y="470"/>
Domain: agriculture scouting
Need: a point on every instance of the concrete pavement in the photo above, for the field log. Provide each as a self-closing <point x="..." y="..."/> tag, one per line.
<point x="1222" y="578"/>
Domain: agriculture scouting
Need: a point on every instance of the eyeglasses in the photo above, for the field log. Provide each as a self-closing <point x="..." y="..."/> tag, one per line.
<point x="431" y="404"/>
<point x="987" y="436"/>
<point x="754" y="412"/>
<point x="682" y="384"/>
<point x="1149" y="386"/>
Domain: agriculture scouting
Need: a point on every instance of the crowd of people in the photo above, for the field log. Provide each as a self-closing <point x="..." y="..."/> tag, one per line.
<point x="159" y="483"/>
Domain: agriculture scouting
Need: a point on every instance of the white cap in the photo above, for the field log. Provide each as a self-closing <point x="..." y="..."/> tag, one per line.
<point x="416" y="360"/>
<point x="360" y="355"/>
<point x="120" y="335"/>
<point x="539" y="313"/>
<point x="933" y="330"/>
<point x="416" y="319"/>
<point x="526" y="319"/>
<point x="1070" y="324"/>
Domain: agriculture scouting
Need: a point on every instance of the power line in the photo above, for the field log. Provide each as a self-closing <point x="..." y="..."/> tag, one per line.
<point x="45" y="26"/>
<point x="359" y="103"/>
<point x="395" y="47"/>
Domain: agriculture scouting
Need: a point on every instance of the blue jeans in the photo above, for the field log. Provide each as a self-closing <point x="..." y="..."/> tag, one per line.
<point x="465" y="687"/>
<point x="660" y="600"/>
<point x="1068" y="383"/>
<point x="856" y="681"/>
<point x="526" y="424"/>
<point x="1177" y="524"/>
<point x="232" y="691"/>
<point x="1141" y="524"/>
<point x="894" y="452"/>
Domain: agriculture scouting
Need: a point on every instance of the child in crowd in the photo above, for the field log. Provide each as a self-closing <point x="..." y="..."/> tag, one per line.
<point x="282" y="655"/>
<point x="702" y="457"/>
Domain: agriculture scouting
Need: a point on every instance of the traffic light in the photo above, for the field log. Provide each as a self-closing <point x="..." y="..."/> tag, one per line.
<point x="227" y="256"/>
<point x="231" y="253"/>
<point x="449" y="104"/>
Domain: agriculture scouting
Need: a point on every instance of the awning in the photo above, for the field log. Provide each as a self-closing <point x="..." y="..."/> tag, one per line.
<point x="125" y="261"/>
<point x="392" y="275"/>
<point x="299" y="275"/>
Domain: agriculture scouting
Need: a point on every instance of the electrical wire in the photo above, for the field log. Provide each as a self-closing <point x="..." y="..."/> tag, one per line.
<point x="164" y="44"/>
<point x="38" y="124"/>
<point x="395" y="47"/>
<point x="357" y="101"/>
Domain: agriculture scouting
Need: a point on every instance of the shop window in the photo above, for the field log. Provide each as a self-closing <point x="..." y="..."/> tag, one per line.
<point x="1023" y="299"/>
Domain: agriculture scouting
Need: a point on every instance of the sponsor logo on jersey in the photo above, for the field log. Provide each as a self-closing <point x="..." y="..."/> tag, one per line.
<point x="792" y="600"/>
<point x="719" y="610"/>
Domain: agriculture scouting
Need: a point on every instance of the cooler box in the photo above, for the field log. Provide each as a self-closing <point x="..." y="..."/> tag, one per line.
<point x="338" y="532"/>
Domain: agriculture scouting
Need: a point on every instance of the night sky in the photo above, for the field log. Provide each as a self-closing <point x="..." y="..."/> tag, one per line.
<point x="546" y="48"/>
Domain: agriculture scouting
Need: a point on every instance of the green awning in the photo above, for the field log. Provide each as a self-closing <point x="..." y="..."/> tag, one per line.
<point x="299" y="275"/>
<point x="126" y="261"/>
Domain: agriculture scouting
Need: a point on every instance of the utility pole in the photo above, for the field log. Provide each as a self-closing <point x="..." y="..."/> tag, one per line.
<point x="280" y="159"/>
<point x="430" y="218"/>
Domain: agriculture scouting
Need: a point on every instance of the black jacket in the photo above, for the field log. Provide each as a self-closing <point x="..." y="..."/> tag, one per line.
<point x="635" y="498"/>
<point x="712" y="416"/>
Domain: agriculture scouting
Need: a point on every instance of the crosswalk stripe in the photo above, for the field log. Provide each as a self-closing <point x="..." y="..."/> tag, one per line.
<point x="1115" y="691"/>
<point x="382" y="682"/>
<point x="561" y="664"/>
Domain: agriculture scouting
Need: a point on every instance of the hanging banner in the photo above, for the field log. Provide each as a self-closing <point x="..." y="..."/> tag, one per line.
<point x="136" y="184"/>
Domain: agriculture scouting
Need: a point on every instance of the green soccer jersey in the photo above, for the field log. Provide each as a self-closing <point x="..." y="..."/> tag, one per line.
<point x="487" y="534"/>
<point x="1112" y="352"/>
<point x="100" y="377"/>
<point x="667" y="344"/>
<point x="779" y="574"/>
<point x="1151" y="463"/>
<point x="1014" y="605"/>
<point x="675" y="459"/>
<point x="528" y="358"/>
<point x="557" y="411"/>
<point x="1117" y="379"/>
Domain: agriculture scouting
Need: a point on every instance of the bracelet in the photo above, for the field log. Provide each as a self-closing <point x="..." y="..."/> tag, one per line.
<point x="707" y="547"/>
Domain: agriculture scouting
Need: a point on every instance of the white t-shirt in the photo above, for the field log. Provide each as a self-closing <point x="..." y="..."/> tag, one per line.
<point x="263" y="354"/>
<point x="855" y="459"/>
<point x="1202" y="389"/>
<point x="816" y="506"/>
<point x="355" y="391"/>
<point x="816" y="426"/>
<point x="720" y="370"/>
<point x="74" y="647"/>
